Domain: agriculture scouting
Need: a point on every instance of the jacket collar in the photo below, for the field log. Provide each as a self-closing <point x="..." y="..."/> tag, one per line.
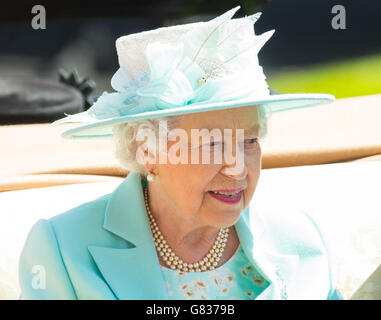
<point x="131" y="272"/>
<point x="126" y="215"/>
<point x="134" y="273"/>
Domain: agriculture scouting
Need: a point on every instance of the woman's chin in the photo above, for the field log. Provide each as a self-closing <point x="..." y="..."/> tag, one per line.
<point x="225" y="223"/>
<point x="224" y="218"/>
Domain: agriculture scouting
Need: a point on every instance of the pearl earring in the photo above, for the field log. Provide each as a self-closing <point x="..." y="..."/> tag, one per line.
<point x="150" y="177"/>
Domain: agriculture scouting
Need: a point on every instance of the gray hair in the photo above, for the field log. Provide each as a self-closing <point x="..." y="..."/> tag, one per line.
<point x="125" y="136"/>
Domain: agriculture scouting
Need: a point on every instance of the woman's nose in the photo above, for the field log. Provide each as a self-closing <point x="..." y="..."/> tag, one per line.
<point x="235" y="172"/>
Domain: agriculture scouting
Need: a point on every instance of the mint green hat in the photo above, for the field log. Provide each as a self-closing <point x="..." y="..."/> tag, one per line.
<point x="185" y="69"/>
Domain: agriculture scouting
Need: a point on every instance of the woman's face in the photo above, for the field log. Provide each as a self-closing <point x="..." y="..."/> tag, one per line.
<point x="190" y="188"/>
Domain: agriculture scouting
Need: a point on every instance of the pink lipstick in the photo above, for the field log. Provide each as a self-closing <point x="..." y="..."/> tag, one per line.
<point x="233" y="198"/>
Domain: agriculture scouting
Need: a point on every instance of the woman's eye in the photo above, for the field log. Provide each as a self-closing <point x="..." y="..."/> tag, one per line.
<point x="214" y="143"/>
<point x="251" y="142"/>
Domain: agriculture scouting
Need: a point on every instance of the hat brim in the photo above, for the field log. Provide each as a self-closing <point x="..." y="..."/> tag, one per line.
<point x="276" y="103"/>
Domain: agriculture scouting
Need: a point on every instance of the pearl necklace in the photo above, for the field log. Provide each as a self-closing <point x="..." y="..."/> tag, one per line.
<point x="209" y="262"/>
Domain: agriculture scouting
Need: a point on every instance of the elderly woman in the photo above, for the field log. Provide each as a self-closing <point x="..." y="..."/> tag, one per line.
<point x="190" y="109"/>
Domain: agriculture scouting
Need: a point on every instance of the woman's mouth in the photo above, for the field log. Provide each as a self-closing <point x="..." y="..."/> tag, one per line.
<point x="227" y="197"/>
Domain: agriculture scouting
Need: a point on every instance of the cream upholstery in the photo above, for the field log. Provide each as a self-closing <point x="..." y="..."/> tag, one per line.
<point x="21" y="208"/>
<point x="344" y="199"/>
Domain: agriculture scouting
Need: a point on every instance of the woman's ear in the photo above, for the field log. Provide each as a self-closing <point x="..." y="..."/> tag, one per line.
<point x="144" y="156"/>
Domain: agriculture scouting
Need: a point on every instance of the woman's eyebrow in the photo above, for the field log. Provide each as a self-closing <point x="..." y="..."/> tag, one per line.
<point x="252" y="129"/>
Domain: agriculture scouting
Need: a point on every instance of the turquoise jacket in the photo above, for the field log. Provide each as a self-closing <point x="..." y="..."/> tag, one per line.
<point x="103" y="249"/>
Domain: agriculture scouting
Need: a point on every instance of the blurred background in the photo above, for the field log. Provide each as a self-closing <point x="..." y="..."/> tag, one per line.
<point x="65" y="67"/>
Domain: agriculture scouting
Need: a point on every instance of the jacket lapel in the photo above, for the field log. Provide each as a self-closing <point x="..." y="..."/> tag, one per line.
<point x="132" y="272"/>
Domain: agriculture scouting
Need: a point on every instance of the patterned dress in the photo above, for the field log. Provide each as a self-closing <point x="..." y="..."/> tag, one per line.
<point x="235" y="279"/>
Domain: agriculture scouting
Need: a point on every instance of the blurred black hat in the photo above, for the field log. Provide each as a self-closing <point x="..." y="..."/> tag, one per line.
<point x="33" y="100"/>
